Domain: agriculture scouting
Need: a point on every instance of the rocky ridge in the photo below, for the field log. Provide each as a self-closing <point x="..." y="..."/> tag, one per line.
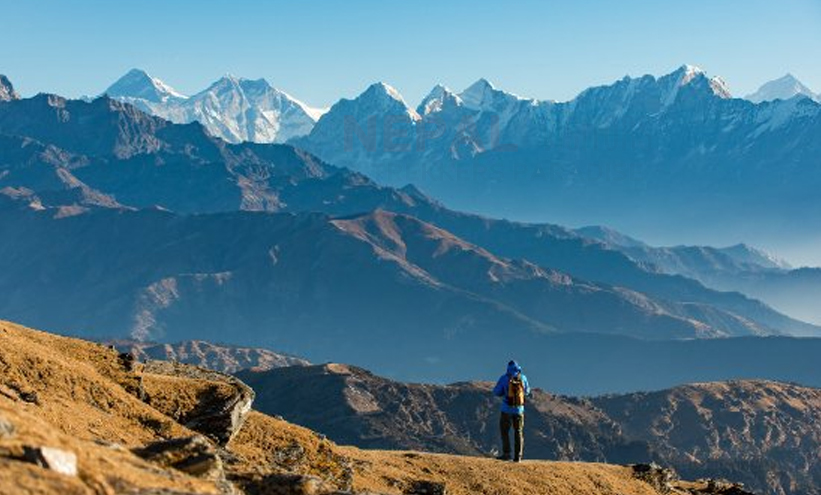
<point x="224" y="358"/>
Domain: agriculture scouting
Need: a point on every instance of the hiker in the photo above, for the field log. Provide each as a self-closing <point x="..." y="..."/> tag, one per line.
<point x="513" y="388"/>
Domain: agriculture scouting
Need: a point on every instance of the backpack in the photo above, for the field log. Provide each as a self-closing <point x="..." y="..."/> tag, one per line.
<point x="515" y="391"/>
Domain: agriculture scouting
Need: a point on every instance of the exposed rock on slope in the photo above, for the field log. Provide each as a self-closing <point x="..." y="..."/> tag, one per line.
<point x="71" y="395"/>
<point x="217" y="408"/>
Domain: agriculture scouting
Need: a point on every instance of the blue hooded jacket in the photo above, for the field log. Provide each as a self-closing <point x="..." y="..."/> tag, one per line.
<point x="500" y="390"/>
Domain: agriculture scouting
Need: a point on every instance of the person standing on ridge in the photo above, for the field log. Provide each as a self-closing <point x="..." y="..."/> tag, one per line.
<point x="513" y="388"/>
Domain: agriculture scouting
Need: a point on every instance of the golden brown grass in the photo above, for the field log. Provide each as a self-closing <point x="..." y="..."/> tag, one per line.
<point x="103" y="469"/>
<point x="263" y="440"/>
<point x="84" y="405"/>
<point x="80" y="386"/>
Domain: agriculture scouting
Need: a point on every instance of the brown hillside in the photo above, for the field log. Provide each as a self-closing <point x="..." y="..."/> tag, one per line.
<point x="83" y="398"/>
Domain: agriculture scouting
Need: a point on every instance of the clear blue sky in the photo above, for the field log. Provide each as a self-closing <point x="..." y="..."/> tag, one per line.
<point x="322" y="50"/>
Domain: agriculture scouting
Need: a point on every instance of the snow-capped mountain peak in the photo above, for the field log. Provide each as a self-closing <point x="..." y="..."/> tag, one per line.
<point x="380" y="89"/>
<point x="687" y="73"/>
<point x="228" y="82"/>
<point x="720" y="87"/>
<point x="479" y="94"/>
<point x="232" y="108"/>
<point x="439" y="97"/>
<point x="483" y="95"/>
<point x="691" y="76"/>
<point x="384" y="96"/>
<point x="783" y="88"/>
<point x="137" y="83"/>
<point x="260" y="85"/>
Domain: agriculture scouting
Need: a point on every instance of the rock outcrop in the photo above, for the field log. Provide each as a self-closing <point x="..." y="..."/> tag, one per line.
<point x="206" y="401"/>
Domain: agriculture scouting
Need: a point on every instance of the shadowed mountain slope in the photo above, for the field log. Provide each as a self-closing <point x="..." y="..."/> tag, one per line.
<point x="138" y="161"/>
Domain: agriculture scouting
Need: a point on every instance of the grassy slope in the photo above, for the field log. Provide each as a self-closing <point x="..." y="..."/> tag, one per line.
<point x="83" y="406"/>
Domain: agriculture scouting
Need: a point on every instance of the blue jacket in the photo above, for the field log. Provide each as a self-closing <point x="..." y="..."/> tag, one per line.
<point x="500" y="390"/>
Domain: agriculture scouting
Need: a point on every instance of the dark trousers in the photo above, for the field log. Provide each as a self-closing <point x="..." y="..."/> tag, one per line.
<point x="517" y="421"/>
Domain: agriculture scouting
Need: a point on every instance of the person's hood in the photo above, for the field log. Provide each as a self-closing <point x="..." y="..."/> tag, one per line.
<point x="513" y="368"/>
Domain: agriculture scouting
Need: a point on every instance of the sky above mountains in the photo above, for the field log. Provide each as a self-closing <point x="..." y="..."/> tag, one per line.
<point x="323" y="50"/>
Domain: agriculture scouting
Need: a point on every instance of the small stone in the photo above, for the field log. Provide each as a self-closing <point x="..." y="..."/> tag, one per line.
<point x="288" y="484"/>
<point x="57" y="460"/>
<point x="193" y="455"/>
<point x="7" y="429"/>
<point x="127" y="360"/>
<point x="30" y="397"/>
<point x="423" y="487"/>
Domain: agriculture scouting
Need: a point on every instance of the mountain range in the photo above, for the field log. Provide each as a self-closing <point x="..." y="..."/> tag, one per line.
<point x="224" y="107"/>
<point x="168" y="233"/>
<point x="633" y="154"/>
<point x="764" y="434"/>
<point x="673" y="157"/>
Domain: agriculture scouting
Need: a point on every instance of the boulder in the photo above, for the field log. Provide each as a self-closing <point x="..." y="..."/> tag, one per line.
<point x="192" y="455"/>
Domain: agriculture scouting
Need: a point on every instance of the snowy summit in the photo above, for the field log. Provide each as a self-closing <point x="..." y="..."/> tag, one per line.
<point x="783" y="88"/>
<point x="232" y="108"/>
